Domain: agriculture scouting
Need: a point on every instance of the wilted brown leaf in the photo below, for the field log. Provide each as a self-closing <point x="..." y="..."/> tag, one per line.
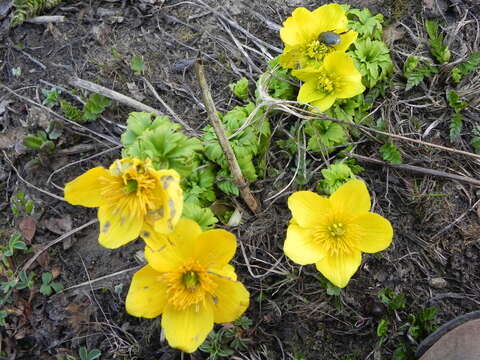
<point x="28" y="226"/>
<point x="59" y="226"/>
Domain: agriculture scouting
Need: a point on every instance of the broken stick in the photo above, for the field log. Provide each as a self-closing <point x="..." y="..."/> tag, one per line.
<point x="222" y="139"/>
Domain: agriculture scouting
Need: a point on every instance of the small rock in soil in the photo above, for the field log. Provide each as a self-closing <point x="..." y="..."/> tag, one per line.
<point x="438" y="283"/>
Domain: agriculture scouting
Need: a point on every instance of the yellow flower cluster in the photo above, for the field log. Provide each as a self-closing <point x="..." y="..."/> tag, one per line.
<point x="315" y="49"/>
<point x="187" y="279"/>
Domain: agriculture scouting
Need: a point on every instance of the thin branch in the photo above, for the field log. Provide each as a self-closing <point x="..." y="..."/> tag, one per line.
<point x="116" y="96"/>
<point x="222" y="139"/>
<point x="417" y="169"/>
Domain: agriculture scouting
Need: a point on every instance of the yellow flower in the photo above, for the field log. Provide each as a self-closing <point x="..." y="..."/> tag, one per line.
<point x="130" y="195"/>
<point x="333" y="232"/>
<point x="304" y="35"/>
<point x="189" y="282"/>
<point x="337" y="78"/>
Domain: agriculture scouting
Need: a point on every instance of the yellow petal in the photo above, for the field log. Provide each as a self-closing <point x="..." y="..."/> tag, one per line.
<point x="230" y="301"/>
<point x="187" y="329"/>
<point x="215" y="248"/>
<point x="300" y="247"/>
<point x="331" y="17"/>
<point x="152" y="238"/>
<point x="118" y="227"/>
<point x="300" y="28"/>
<point x="347" y="39"/>
<point x="226" y="271"/>
<point x="349" y="88"/>
<point x="351" y="198"/>
<point x="324" y="103"/>
<point x="85" y="190"/>
<point x="171" y="208"/>
<point x="181" y="243"/>
<point x="340" y="64"/>
<point x="309" y="92"/>
<point x="146" y="296"/>
<point x="308" y="74"/>
<point x="340" y="268"/>
<point x="375" y="233"/>
<point x="308" y="208"/>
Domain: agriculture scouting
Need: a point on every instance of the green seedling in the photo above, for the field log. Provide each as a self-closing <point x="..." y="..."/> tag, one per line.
<point x="440" y="51"/>
<point x="390" y="153"/>
<point x="393" y="301"/>
<point x="86" y="354"/>
<point x="22" y="205"/>
<point x="240" y="88"/>
<point x="415" y="72"/>
<point x="137" y="65"/>
<point x="48" y="285"/>
<point x="40" y="142"/>
<point x="464" y="68"/>
<point x="456" y="122"/>
<point x="228" y="339"/>
<point x="95" y="106"/>
<point x="52" y="97"/>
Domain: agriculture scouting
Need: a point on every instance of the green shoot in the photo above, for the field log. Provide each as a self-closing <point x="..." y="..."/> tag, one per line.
<point x="391" y="154"/>
<point x="240" y="88"/>
<point x="48" y="285"/>
<point x="440" y="51"/>
<point x="461" y="70"/>
<point x="416" y="73"/>
<point x="51" y="97"/>
<point x="86" y="354"/>
<point x="137" y="64"/>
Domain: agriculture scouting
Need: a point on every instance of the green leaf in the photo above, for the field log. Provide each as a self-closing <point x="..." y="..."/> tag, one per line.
<point x="137" y="64"/>
<point x="382" y="328"/>
<point x="372" y="59"/>
<point x="95" y="106"/>
<point x="456" y="125"/>
<point x="70" y="111"/>
<point x="335" y="176"/>
<point x="324" y="135"/>
<point x="51" y="97"/>
<point x="32" y="142"/>
<point x="158" y="138"/>
<point x="240" y="88"/>
<point x="475" y="143"/>
<point x="365" y="24"/>
<point x="416" y="73"/>
<point x="440" y="51"/>
<point x="47" y="278"/>
<point x="57" y="286"/>
<point x="46" y="289"/>
<point x="391" y="154"/>
<point x="54" y="130"/>
<point x="461" y="70"/>
<point x="454" y="101"/>
<point x="202" y="215"/>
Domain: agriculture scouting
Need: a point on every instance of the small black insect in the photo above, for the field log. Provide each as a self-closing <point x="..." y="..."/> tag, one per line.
<point x="330" y="38"/>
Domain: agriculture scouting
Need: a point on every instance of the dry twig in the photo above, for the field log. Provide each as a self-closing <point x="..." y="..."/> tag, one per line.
<point x="87" y="85"/>
<point x="222" y="139"/>
<point x="417" y="169"/>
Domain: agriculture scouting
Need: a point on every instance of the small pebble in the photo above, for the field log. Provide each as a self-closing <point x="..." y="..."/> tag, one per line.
<point x="438" y="283"/>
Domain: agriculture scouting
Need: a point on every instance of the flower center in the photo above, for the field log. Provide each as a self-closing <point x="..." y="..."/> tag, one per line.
<point x="325" y="83"/>
<point x="131" y="186"/>
<point x="334" y="236"/>
<point x="189" y="285"/>
<point x="336" y="230"/>
<point x="317" y="50"/>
